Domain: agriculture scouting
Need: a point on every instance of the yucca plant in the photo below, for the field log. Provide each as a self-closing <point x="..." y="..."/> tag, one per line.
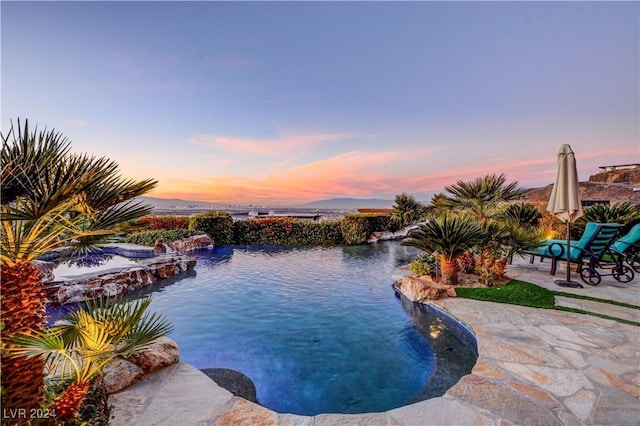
<point x="447" y="236"/>
<point x="51" y="198"/>
<point x="80" y="344"/>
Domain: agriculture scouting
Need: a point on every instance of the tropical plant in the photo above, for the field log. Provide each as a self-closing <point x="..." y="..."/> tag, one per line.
<point x="446" y="237"/>
<point x="406" y="210"/>
<point x="627" y="214"/>
<point x="480" y="197"/>
<point x="522" y="214"/>
<point x="51" y="198"/>
<point x="78" y="346"/>
<point x="502" y="240"/>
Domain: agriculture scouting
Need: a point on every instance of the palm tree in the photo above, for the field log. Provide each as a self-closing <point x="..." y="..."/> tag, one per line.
<point x="502" y="239"/>
<point x="522" y="214"/>
<point x="406" y="210"/>
<point x="51" y="198"/>
<point x="480" y="197"/>
<point x="79" y="345"/>
<point x="449" y="236"/>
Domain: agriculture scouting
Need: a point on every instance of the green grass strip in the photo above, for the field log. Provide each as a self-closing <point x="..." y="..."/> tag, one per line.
<point x="595" y="299"/>
<point x="527" y="294"/>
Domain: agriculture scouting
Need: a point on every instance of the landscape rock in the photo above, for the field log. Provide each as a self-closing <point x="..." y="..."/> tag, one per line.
<point x="195" y="242"/>
<point x="121" y="282"/>
<point x="421" y="288"/>
<point x="161" y="353"/>
<point x="119" y="374"/>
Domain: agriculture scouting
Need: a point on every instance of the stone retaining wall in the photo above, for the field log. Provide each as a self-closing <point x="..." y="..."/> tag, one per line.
<point x="120" y="282"/>
<point x="152" y="267"/>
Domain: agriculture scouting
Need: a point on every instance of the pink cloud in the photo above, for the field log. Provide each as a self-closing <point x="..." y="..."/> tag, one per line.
<point x="264" y="147"/>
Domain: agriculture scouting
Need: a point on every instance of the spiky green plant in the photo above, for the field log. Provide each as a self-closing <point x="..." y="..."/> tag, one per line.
<point x="448" y="235"/>
<point x="522" y="214"/>
<point x="80" y="344"/>
<point x="480" y="197"/>
<point x="51" y="198"/>
<point x="406" y="210"/>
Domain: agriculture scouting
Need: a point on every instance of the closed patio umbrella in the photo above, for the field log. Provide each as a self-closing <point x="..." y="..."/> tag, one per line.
<point x="565" y="203"/>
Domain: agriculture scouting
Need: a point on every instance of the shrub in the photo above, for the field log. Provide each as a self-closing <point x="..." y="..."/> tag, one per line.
<point x="356" y="228"/>
<point x="149" y="238"/>
<point x="218" y="225"/>
<point x="423" y="264"/>
<point x="153" y="222"/>
<point x="286" y="231"/>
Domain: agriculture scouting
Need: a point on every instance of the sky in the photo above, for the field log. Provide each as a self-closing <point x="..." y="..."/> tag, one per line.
<point x="272" y="103"/>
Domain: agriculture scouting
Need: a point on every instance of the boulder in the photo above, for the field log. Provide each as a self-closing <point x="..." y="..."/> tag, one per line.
<point x="119" y="374"/>
<point x="192" y="243"/>
<point x="421" y="288"/>
<point x="160" y="247"/>
<point x="161" y="353"/>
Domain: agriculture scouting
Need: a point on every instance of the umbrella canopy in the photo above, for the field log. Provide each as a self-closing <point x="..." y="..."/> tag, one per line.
<point x="564" y="202"/>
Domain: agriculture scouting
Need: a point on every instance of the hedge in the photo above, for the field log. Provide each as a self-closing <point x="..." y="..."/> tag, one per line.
<point x="149" y="238"/>
<point x="356" y="228"/>
<point x="218" y="225"/>
<point x="286" y="231"/>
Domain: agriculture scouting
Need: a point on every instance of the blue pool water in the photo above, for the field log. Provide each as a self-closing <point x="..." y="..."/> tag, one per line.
<point x="318" y="330"/>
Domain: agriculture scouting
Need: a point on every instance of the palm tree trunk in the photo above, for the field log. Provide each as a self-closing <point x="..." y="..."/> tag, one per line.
<point x="67" y="405"/>
<point x="23" y="309"/>
<point x="449" y="270"/>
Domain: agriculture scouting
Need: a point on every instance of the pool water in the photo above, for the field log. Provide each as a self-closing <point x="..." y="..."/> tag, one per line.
<point x="318" y="330"/>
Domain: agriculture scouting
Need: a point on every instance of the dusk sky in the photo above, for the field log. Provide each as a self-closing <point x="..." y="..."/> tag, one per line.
<point x="288" y="102"/>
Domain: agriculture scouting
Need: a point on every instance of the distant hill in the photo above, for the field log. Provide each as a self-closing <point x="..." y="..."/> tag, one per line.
<point x="615" y="186"/>
<point x="349" y="203"/>
<point x="175" y="203"/>
<point x="594" y="191"/>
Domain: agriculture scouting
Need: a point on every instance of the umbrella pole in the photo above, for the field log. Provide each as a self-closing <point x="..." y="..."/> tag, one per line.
<point x="568" y="282"/>
<point x="568" y="251"/>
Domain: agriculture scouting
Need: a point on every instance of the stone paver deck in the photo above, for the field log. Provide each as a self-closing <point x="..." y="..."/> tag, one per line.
<point x="535" y="367"/>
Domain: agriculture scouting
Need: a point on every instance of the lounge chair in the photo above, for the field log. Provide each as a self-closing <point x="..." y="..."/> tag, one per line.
<point x="587" y="253"/>
<point x="628" y="247"/>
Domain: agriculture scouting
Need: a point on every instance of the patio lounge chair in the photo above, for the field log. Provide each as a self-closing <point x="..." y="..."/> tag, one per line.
<point x="587" y="253"/>
<point x="628" y="247"/>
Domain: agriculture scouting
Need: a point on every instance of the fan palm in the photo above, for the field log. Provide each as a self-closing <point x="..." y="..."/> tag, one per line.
<point x="479" y="197"/>
<point x="51" y="198"/>
<point x="406" y="210"/>
<point x="449" y="236"/>
<point x="79" y="345"/>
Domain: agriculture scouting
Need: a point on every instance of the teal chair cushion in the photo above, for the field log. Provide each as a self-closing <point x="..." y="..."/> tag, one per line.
<point x="555" y="247"/>
<point x="632" y="237"/>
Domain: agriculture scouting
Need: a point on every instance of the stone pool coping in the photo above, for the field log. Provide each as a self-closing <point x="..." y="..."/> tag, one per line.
<point x="534" y="366"/>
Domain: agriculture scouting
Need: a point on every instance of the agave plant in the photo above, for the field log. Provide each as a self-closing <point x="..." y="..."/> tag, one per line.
<point x="51" y="198"/>
<point x="79" y="345"/>
<point x="447" y="236"/>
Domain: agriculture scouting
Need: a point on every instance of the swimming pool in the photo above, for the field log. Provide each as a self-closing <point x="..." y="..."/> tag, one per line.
<point x="318" y="330"/>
